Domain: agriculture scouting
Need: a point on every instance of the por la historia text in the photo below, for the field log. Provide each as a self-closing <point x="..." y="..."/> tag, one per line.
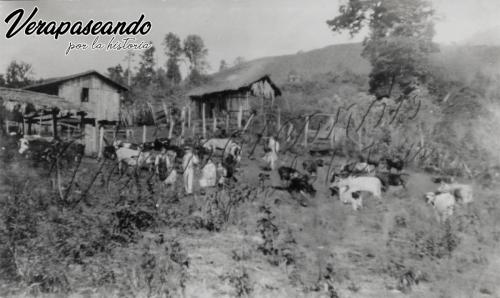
<point x="57" y="29"/>
<point x="113" y="44"/>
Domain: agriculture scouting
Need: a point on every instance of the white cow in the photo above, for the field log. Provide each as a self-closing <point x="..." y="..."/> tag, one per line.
<point x="355" y="198"/>
<point x="462" y="192"/>
<point x="225" y="144"/>
<point x="350" y="188"/>
<point x="443" y="203"/>
<point x="135" y="158"/>
<point x="363" y="167"/>
<point x="372" y="185"/>
<point x="24" y="142"/>
<point x="218" y="143"/>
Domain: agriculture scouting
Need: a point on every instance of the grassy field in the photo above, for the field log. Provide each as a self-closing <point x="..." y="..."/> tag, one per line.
<point x="250" y="240"/>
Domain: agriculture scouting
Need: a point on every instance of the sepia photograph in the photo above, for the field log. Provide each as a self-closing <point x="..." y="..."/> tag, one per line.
<point x="250" y="148"/>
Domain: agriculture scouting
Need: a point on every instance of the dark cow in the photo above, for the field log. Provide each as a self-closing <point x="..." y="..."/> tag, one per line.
<point x="301" y="185"/>
<point x="391" y="179"/>
<point x="286" y="173"/>
<point x="443" y="180"/>
<point x="395" y="163"/>
<point x="311" y="166"/>
<point x="46" y="149"/>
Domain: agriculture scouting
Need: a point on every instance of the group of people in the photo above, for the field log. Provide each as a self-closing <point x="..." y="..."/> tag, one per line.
<point x="212" y="175"/>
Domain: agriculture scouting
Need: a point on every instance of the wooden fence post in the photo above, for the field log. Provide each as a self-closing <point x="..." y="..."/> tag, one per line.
<point x="227" y="122"/>
<point x="82" y="125"/>
<point x="248" y="122"/>
<point x="171" y="128"/>
<point x="306" y="131"/>
<point x="25" y="127"/>
<point x="165" y="110"/>
<point x="332" y="133"/>
<point x="29" y="126"/>
<point x="183" y="118"/>
<point x="144" y="133"/>
<point x="54" y="123"/>
<point x="204" y="128"/>
<point x="278" y="121"/>
<point x="95" y="139"/>
<point x="214" y="126"/>
<point x="101" y="141"/>
<point x="240" y="115"/>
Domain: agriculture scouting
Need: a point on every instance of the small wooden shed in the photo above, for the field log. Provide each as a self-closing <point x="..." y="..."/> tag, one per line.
<point x="228" y="94"/>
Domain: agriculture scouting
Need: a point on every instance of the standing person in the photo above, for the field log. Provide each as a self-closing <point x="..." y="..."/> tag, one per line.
<point x="164" y="165"/>
<point x="164" y="168"/>
<point x="271" y="156"/>
<point x="208" y="175"/>
<point x="188" y="163"/>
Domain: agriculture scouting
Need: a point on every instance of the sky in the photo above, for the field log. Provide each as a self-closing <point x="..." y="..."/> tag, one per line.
<point x="229" y="28"/>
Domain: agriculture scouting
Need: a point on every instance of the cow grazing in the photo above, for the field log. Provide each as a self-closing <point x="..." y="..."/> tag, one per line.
<point x="301" y="185"/>
<point x="461" y="192"/>
<point x="218" y="143"/>
<point x="37" y="148"/>
<point x="443" y="179"/>
<point x="394" y="163"/>
<point x="355" y="198"/>
<point x="131" y="157"/>
<point x="47" y="149"/>
<point x="371" y="185"/>
<point x="286" y="173"/>
<point x="311" y="166"/>
<point x="226" y="145"/>
<point x="358" y="168"/>
<point x="391" y="179"/>
<point x="443" y="204"/>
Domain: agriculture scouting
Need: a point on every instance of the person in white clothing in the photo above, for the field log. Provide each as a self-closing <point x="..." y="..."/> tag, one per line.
<point x="271" y="157"/>
<point x="209" y="175"/>
<point x="188" y="163"/>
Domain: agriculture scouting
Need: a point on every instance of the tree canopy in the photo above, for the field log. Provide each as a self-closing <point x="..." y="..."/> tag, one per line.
<point x="173" y="50"/>
<point x="398" y="43"/>
<point x="18" y="75"/>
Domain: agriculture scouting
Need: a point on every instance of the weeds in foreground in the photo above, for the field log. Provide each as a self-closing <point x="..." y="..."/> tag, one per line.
<point x="240" y="281"/>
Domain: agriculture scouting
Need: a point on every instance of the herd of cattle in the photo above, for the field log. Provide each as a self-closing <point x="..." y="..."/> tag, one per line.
<point x="350" y="182"/>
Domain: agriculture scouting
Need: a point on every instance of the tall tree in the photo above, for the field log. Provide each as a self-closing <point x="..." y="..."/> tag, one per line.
<point x="196" y="53"/>
<point x="117" y="74"/>
<point x="18" y="74"/>
<point x="146" y="73"/>
<point x="398" y="44"/>
<point x="129" y="58"/>
<point x="173" y="50"/>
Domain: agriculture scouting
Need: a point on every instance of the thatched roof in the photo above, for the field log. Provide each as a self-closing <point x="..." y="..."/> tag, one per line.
<point x="60" y="80"/>
<point x="26" y="101"/>
<point x="233" y="80"/>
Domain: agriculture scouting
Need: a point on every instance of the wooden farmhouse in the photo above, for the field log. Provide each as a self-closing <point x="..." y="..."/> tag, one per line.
<point x="232" y="96"/>
<point x="75" y="106"/>
<point x="90" y="91"/>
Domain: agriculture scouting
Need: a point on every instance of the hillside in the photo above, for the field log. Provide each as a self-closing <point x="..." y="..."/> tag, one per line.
<point x="460" y="62"/>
